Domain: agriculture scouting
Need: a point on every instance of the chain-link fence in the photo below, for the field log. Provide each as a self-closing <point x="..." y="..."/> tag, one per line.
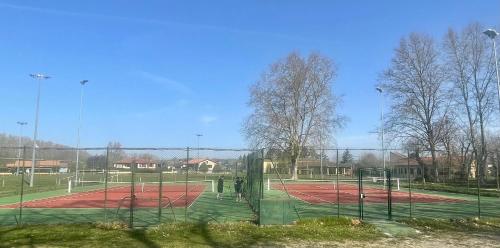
<point x="135" y="186"/>
<point x="148" y="186"/>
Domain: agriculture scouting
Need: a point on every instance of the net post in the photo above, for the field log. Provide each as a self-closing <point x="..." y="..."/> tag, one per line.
<point x="213" y="186"/>
<point x="268" y="183"/>
<point x="397" y="181"/>
<point x="69" y="186"/>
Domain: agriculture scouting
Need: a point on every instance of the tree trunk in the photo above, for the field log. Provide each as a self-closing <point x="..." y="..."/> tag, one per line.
<point x="434" y="164"/>
<point x="294" y="169"/>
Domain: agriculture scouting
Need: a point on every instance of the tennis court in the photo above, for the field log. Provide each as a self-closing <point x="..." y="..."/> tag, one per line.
<point x="325" y="191"/>
<point x="144" y="195"/>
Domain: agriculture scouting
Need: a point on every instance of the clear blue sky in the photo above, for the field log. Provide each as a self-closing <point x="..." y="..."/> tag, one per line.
<point x="162" y="71"/>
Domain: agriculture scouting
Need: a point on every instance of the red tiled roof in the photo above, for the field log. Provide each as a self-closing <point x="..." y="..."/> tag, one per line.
<point x="197" y="161"/>
<point x="38" y="164"/>
<point x="136" y="160"/>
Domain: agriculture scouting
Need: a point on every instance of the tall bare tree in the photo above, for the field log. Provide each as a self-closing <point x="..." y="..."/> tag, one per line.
<point x="293" y="106"/>
<point x="471" y="69"/>
<point x="415" y="81"/>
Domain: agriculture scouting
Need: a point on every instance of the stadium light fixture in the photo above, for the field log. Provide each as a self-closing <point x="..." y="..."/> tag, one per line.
<point x="39" y="77"/>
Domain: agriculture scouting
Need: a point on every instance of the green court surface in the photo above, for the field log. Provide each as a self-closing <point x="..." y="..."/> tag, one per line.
<point x="278" y="208"/>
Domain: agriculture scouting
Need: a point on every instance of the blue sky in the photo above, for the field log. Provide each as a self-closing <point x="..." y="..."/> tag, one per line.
<point x="162" y="71"/>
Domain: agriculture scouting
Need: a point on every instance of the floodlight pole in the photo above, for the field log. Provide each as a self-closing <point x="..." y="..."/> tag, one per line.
<point x="493" y="34"/>
<point x="382" y="129"/>
<point x="39" y="77"/>
<point x="21" y="124"/>
<point x="82" y="83"/>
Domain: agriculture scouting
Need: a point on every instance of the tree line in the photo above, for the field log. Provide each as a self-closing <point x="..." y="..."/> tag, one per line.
<point x="443" y="99"/>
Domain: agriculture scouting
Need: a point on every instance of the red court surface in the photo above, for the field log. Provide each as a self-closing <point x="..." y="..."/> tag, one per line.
<point x="349" y="194"/>
<point x="146" y="197"/>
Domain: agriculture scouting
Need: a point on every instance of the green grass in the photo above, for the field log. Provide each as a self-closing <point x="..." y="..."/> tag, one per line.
<point x="186" y="235"/>
<point x="462" y="189"/>
<point x="454" y="225"/>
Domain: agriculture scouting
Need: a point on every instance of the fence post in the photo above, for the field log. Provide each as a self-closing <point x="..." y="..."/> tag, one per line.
<point x="22" y="188"/>
<point x="360" y="193"/>
<point x="132" y="193"/>
<point x="389" y="194"/>
<point x="409" y="181"/>
<point x="261" y="176"/>
<point x="106" y="175"/>
<point x="337" y="185"/>
<point x="478" y="193"/>
<point x="160" y="194"/>
<point x="187" y="178"/>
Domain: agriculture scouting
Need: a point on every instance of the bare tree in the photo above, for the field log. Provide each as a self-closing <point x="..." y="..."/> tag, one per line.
<point x="293" y="106"/>
<point x="415" y="81"/>
<point x="471" y="69"/>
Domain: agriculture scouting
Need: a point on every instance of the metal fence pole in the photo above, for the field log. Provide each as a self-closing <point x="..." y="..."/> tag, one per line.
<point x="261" y="177"/>
<point x="106" y="175"/>
<point x="338" y="190"/>
<point x="360" y="193"/>
<point x="22" y="188"/>
<point x="132" y="193"/>
<point x="160" y="193"/>
<point x="409" y="182"/>
<point x="478" y="193"/>
<point x="389" y="194"/>
<point x="187" y="178"/>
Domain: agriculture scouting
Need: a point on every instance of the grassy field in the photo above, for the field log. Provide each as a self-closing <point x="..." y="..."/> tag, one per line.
<point x="457" y="188"/>
<point x="239" y="234"/>
<point x="488" y="225"/>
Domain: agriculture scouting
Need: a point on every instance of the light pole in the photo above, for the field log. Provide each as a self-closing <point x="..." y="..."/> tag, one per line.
<point x="382" y="128"/>
<point x="82" y="83"/>
<point x="21" y="124"/>
<point x="39" y="77"/>
<point x="493" y="34"/>
<point x="198" y="140"/>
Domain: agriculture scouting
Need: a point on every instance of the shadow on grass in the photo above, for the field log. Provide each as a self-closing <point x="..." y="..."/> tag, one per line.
<point x="212" y="234"/>
<point x="140" y="235"/>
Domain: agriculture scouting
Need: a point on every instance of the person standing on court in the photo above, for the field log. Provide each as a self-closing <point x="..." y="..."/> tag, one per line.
<point x="220" y="187"/>
<point x="238" y="187"/>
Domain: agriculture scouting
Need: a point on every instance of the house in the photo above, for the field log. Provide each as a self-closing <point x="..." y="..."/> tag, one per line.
<point x="141" y="163"/>
<point x="196" y="163"/>
<point x="405" y="167"/>
<point x="48" y="166"/>
<point x="308" y="167"/>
